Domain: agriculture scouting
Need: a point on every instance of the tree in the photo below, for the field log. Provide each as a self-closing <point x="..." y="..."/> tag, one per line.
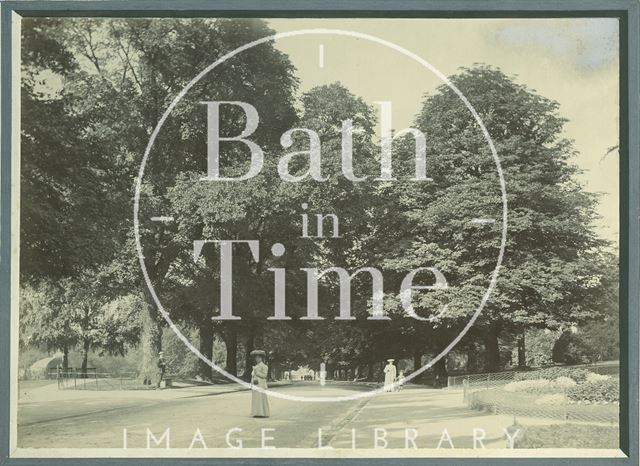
<point x="75" y="312"/>
<point x="82" y="149"/>
<point x="597" y="339"/>
<point x="168" y="57"/>
<point x="69" y="187"/>
<point x="72" y="192"/>
<point x="46" y="320"/>
<point x="550" y="268"/>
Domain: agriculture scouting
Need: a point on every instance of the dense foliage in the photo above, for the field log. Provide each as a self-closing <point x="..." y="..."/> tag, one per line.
<point x="597" y="391"/>
<point x="552" y="373"/>
<point x="82" y="144"/>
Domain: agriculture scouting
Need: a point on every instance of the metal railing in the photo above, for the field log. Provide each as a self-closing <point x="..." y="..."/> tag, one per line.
<point x="489" y="392"/>
<point x="493" y="379"/>
<point x="95" y="380"/>
<point x="487" y="380"/>
<point x="499" y="401"/>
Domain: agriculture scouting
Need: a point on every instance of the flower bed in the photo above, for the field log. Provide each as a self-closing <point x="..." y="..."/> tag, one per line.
<point x="551" y="406"/>
<point x="580" y="385"/>
<point x="552" y="373"/>
<point x="557" y="393"/>
<point x="541" y="386"/>
<point x="596" y="391"/>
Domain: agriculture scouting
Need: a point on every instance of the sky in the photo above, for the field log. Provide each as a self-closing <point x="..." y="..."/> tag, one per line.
<point x="572" y="61"/>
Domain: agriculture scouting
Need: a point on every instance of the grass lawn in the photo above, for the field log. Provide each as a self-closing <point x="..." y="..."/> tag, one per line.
<point x="31" y="384"/>
<point x="24" y="386"/>
<point x="568" y="436"/>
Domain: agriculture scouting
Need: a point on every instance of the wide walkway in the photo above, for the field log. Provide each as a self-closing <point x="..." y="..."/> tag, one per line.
<point x="414" y="417"/>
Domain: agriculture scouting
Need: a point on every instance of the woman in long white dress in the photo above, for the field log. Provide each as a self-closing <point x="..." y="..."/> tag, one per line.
<point x="259" y="400"/>
<point x="389" y="375"/>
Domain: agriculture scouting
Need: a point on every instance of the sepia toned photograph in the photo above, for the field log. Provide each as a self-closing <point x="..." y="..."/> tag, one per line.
<point x="328" y="237"/>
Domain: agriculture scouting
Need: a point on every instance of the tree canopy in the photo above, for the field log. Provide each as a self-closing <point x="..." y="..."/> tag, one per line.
<point x="83" y="142"/>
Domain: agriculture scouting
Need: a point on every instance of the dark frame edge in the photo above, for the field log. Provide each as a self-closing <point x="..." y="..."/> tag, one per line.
<point x="627" y="10"/>
<point x="630" y="216"/>
<point x="324" y="8"/>
<point x="6" y="12"/>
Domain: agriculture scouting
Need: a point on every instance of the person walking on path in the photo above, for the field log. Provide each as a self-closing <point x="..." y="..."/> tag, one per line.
<point x="389" y="375"/>
<point x="162" y="366"/>
<point x="259" y="400"/>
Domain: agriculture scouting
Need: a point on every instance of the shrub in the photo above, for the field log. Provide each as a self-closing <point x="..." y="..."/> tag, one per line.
<point x="564" y="383"/>
<point x="572" y="348"/>
<point x="531" y="386"/>
<point x="539" y="346"/>
<point x="603" y="338"/>
<point x="601" y="391"/>
<point x="593" y="377"/>
<point x="552" y="373"/>
<point x="541" y="386"/>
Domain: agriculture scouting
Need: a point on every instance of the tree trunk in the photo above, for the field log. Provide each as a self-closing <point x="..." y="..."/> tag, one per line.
<point x="472" y="358"/>
<point x="86" y="345"/>
<point x="417" y="360"/>
<point x="492" y="349"/>
<point x="231" y="346"/>
<point x="440" y="369"/>
<point x="151" y="345"/>
<point x="65" y="359"/>
<point x="205" y="333"/>
<point x="248" y="359"/>
<point x="370" y="370"/>
<point x="151" y="334"/>
<point x="417" y="364"/>
<point x="522" y="357"/>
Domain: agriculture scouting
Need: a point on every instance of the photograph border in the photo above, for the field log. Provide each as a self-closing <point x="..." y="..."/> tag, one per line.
<point x="628" y="13"/>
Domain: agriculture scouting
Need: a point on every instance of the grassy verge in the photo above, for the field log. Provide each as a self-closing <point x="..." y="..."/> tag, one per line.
<point x="568" y="436"/>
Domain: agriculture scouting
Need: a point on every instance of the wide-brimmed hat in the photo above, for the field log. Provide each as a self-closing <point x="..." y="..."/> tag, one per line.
<point x="390" y="360"/>
<point x="258" y="352"/>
